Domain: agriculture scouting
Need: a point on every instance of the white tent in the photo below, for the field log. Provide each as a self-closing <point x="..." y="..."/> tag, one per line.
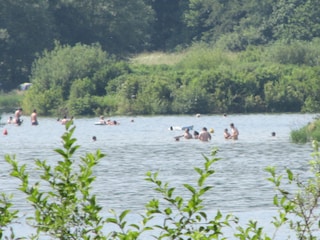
<point x="25" y="86"/>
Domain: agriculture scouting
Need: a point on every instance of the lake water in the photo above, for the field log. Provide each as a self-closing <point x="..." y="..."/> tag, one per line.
<point x="133" y="148"/>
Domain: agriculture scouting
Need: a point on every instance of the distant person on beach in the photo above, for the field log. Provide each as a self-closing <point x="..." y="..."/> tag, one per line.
<point x="273" y="134"/>
<point x="34" y="118"/>
<point x="234" y="132"/>
<point x="204" y="135"/>
<point x="226" y="134"/>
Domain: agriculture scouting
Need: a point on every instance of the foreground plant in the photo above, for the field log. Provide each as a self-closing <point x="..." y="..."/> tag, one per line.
<point x="300" y="209"/>
<point x="180" y="218"/>
<point x="67" y="210"/>
<point x="7" y="216"/>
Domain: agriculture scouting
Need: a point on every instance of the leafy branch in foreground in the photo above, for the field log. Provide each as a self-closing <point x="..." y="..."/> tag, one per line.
<point x="186" y="218"/>
<point x="6" y="214"/>
<point x="67" y="210"/>
<point x="180" y="218"/>
<point x="301" y="205"/>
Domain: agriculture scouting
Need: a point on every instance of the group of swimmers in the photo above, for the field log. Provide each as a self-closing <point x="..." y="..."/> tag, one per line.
<point x="108" y="122"/>
<point x="234" y="133"/>
<point x="205" y="136"/>
<point x="17" y="118"/>
<point x="34" y="118"/>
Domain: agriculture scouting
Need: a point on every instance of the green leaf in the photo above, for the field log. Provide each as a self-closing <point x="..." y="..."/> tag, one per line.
<point x="190" y="188"/>
<point x="123" y="215"/>
<point x="290" y="174"/>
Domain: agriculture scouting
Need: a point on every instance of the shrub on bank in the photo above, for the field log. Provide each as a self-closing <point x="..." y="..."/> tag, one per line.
<point x="68" y="210"/>
<point x="9" y="101"/>
<point x="307" y="133"/>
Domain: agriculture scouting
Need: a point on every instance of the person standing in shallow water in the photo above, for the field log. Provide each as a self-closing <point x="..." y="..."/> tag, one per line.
<point x="187" y="134"/>
<point x="234" y="132"/>
<point x="226" y="134"/>
<point x="17" y="115"/>
<point x="204" y="135"/>
<point x="34" y="118"/>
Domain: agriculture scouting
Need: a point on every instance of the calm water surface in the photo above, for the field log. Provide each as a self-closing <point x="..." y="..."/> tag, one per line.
<point x="147" y="144"/>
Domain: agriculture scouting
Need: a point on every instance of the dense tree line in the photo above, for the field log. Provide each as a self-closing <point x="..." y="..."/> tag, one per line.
<point x="30" y="30"/>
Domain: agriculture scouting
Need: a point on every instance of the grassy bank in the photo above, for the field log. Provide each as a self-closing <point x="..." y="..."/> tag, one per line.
<point x="307" y="133"/>
<point x="10" y="101"/>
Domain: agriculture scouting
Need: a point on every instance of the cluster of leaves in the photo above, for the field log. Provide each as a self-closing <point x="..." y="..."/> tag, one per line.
<point x="302" y="205"/>
<point x="68" y="210"/>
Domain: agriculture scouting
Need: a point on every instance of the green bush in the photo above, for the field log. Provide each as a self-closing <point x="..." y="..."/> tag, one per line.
<point x="307" y="133"/>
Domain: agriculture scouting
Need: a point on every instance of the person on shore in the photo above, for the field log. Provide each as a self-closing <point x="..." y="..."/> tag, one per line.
<point x="234" y="132"/>
<point x="204" y="135"/>
<point x="17" y="115"/>
<point x="187" y="134"/>
<point x="226" y="134"/>
<point x="34" y="118"/>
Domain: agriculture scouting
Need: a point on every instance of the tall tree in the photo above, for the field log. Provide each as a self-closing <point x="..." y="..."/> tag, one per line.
<point x="25" y="30"/>
<point x="120" y="26"/>
<point x="296" y="19"/>
<point x="169" y="29"/>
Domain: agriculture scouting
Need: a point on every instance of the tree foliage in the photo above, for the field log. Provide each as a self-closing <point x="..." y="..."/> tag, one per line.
<point x="66" y="75"/>
<point x="27" y="28"/>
